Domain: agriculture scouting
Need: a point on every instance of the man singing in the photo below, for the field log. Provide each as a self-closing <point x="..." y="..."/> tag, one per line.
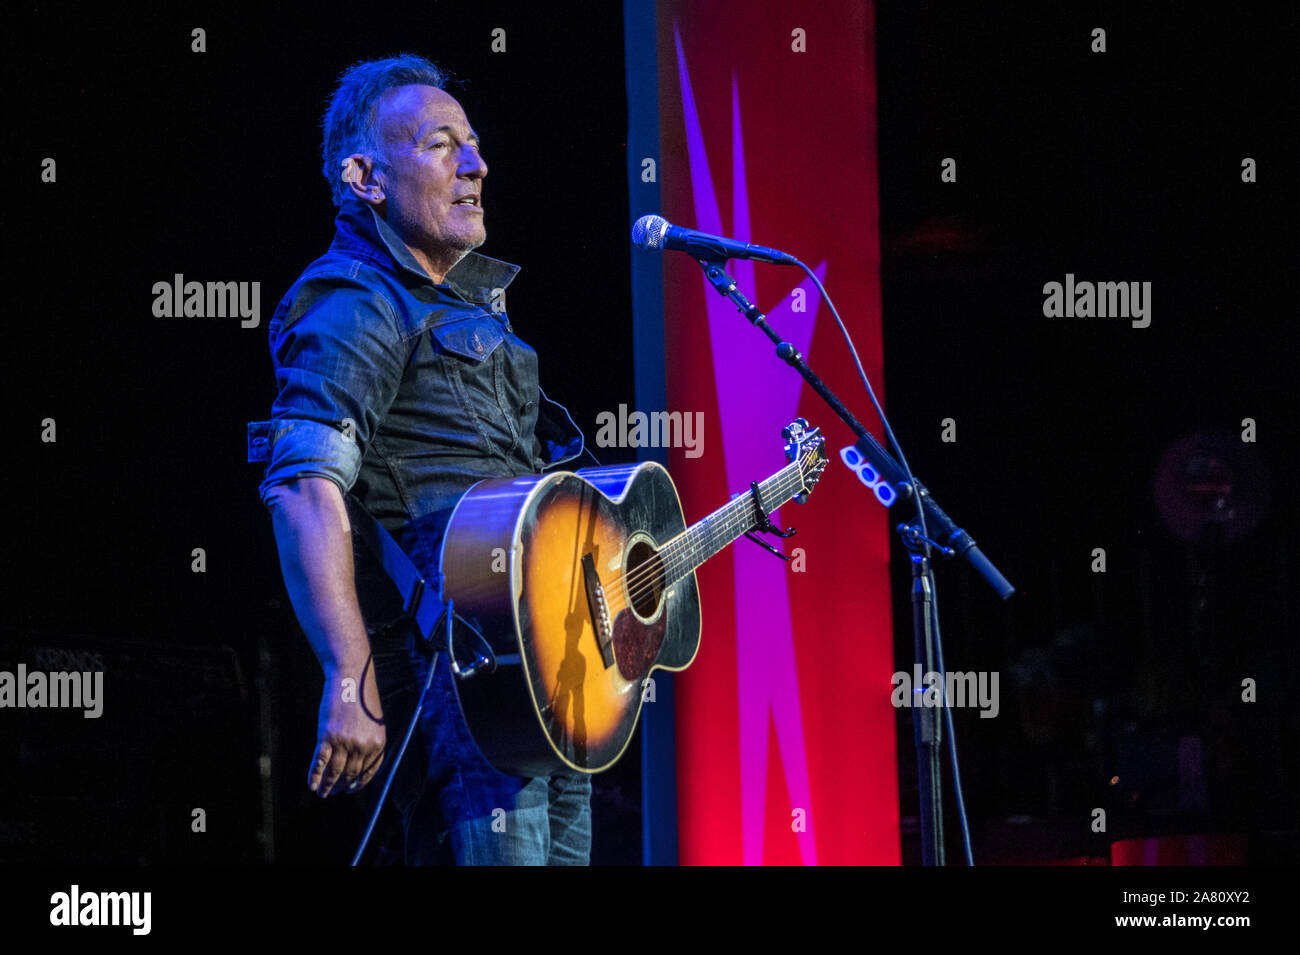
<point x="401" y="380"/>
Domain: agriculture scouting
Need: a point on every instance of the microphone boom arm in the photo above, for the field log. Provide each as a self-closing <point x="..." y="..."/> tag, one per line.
<point x="942" y="527"/>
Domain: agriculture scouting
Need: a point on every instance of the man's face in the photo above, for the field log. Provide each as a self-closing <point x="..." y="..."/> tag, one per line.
<point x="433" y="184"/>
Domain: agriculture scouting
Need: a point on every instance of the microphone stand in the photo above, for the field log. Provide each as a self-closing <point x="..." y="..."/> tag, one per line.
<point x="949" y="539"/>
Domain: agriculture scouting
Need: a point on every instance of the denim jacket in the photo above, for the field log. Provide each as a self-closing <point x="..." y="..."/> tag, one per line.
<point x="404" y="392"/>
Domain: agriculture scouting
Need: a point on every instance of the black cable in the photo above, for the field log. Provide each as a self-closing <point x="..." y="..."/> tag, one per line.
<point x="925" y="543"/>
<point x="401" y="751"/>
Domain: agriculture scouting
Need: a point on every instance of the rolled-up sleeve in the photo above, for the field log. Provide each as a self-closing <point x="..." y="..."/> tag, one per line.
<point x="338" y="364"/>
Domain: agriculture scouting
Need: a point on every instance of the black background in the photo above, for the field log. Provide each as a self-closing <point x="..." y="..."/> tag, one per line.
<point x="1116" y="166"/>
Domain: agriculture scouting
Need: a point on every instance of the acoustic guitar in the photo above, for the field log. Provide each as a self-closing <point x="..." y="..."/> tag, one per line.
<point x="570" y="588"/>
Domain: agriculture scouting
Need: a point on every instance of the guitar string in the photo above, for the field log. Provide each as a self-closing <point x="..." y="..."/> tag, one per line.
<point x="642" y="579"/>
<point x="682" y="550"/>
<point x="688" y="551"/>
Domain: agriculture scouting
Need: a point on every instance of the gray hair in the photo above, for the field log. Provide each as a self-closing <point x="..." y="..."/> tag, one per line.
<point x="349" y="122"/>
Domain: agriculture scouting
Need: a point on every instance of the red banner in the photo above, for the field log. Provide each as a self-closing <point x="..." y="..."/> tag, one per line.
<point x="785" y="732"/>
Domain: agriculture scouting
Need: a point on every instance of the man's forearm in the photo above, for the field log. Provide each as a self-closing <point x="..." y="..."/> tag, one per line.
<point x="314" y="539"/>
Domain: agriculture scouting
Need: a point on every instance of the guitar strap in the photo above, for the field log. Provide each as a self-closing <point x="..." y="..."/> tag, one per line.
<point x="419" y="606"/>
<point x="424" y="612"/>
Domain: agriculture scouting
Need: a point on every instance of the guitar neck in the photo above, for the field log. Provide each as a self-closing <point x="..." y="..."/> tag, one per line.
<point x="702" y="540"/>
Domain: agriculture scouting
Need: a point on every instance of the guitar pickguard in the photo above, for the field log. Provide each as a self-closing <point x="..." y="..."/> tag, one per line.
<point x="637" y="644"/>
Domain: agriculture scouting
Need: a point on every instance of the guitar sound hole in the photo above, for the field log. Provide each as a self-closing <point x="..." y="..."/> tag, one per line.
<point x="645" y="575"/>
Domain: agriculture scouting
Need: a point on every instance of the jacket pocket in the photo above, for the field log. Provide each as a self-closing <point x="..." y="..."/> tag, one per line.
<point x="473" y="339"/>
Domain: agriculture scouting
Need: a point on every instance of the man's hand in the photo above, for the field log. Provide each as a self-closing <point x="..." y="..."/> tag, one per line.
<point x="315" y="543"/>
<point x="350" y="735"/>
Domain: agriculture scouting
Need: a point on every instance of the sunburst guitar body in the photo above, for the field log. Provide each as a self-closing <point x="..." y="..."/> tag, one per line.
<point x="571" y="588"/>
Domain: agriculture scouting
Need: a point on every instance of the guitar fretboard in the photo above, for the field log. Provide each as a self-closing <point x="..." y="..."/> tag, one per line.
<point x="702" y="540"/>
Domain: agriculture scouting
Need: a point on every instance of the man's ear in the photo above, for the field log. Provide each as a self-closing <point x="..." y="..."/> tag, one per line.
<point x="363" y="177"/>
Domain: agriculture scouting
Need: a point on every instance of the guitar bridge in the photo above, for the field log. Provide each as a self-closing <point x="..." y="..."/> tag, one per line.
<point x="599" y="610"/>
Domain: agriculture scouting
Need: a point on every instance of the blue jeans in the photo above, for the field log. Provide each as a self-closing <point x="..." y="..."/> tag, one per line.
<point x="454" y="807"/>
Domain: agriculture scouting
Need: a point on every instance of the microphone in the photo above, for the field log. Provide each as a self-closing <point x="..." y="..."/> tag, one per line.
<point x="655" y="233"/>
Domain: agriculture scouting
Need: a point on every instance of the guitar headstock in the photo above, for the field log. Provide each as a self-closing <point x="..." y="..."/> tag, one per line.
<point x="806" y="446"/>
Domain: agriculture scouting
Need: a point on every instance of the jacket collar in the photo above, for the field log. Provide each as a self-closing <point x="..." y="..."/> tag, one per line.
<point x="360" y="231"/>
